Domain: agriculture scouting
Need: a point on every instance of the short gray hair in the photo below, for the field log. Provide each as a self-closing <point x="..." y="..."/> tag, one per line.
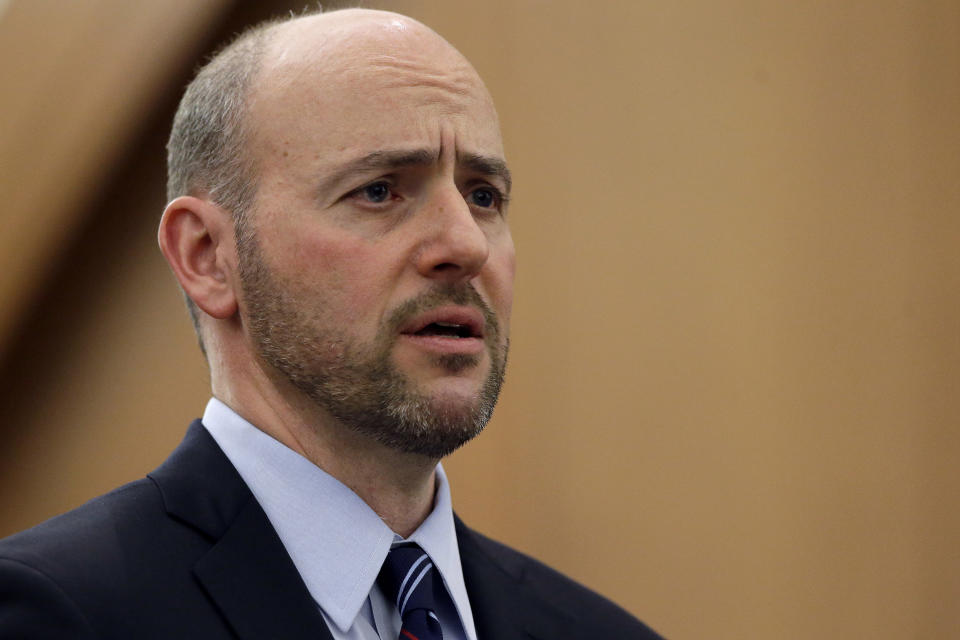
<point x="205" y="152"/>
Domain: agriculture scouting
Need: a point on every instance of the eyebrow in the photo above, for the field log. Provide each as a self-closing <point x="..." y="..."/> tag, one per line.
<point x="487" y="165"/>
<point x="384" y="160"/>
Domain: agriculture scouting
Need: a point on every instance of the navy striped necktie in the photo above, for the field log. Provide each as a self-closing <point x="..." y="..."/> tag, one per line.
<point x="409" y="579"/>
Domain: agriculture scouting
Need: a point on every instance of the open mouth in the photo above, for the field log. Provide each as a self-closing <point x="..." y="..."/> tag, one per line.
<point x="447" y="329"/>
<point x="447" y="322"/>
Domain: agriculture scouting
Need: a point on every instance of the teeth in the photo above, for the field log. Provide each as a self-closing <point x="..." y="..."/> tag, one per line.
<point x="449" y="325"/>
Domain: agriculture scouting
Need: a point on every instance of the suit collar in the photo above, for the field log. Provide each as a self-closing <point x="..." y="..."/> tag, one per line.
<point x="246" y="572"/>
<point x="198" y="484"/>
<point x="255" y="585"/>
<point x="504" y="605"/>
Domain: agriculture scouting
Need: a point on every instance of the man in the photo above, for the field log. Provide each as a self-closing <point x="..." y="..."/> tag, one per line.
<point x="338" y="224"/>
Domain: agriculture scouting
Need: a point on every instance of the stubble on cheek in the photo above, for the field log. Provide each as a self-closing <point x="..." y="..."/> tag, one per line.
<point x="356" y="379"/>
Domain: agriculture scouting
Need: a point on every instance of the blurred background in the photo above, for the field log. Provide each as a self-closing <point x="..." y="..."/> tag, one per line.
<point x="733" y="398"/>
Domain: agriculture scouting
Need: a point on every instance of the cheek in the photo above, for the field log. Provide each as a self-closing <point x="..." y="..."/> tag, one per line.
<point x="502" y="268"/>
<point x="342" y="277"/>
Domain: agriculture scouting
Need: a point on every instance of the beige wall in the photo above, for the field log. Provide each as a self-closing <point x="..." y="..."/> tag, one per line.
<point x="732" y="403"/>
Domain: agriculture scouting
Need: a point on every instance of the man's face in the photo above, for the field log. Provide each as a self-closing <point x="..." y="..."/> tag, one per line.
<point x="377" y="265"/>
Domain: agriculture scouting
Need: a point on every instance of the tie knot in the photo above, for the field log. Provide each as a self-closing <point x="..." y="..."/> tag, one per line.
<point x="410" y="581"/>
<point x="407" y="571"/>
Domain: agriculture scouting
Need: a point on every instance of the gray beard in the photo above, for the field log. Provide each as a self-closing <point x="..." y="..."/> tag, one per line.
<point x="359" y="384"/>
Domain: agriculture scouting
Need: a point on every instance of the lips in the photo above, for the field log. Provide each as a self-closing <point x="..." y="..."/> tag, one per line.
<point x="448" y="321"/>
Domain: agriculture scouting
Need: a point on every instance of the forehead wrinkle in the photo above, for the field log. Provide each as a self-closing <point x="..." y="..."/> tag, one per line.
<point x="459" y="79"/>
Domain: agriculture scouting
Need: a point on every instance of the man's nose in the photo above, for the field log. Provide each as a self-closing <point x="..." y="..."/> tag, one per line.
<point x="454" y="246"/>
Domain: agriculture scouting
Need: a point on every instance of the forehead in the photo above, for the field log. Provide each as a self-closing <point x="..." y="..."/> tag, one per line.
<point x="358" y="89"/>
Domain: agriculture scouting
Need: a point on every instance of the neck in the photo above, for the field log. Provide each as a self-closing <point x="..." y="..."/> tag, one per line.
<point x="398" y="486"/>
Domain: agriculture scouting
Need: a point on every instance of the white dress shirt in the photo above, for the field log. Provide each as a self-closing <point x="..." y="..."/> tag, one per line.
<point x="336" y="541"/>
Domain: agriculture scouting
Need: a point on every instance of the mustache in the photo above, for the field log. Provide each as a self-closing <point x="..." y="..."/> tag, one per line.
<point x="439" y="295"/>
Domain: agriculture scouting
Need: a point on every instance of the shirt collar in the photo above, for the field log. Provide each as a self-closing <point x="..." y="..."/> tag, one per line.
<point x="336" y="541"/>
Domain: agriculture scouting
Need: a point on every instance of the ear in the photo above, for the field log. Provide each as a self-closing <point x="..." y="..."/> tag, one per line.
<point x="196" y="238"/>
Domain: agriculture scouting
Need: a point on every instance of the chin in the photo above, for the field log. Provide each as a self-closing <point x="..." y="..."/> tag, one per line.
<point x="449" y="392"/>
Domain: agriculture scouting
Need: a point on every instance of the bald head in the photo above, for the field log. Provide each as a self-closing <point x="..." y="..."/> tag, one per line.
<point x="353" y="33"/>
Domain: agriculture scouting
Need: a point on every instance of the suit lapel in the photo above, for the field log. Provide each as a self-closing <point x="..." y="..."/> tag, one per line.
<point x="504" y="608"/>
<point x="252" y="580"/>
<point x="255" y="584"/>
<point x="247" y="572"/>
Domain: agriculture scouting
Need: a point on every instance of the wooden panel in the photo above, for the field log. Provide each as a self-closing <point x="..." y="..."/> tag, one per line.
<point x="77" y="78"/>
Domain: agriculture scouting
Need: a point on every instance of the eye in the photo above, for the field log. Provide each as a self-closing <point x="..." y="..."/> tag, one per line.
<point x="485" y="198"/>
<point x="375" y="192"/>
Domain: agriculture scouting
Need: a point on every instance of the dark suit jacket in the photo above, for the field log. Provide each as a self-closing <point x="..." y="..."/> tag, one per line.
<point x="187" y="552"/>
